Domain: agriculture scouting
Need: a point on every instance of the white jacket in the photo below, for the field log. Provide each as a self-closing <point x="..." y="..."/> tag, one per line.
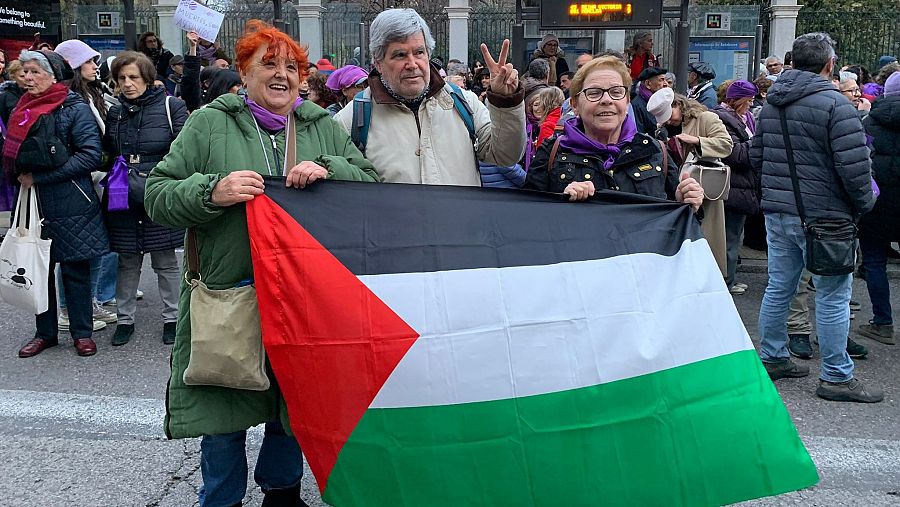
<point x="433" y="146"/>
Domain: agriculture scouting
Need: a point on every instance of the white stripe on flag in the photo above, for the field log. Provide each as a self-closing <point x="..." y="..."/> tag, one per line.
<point x="493" y="334"/>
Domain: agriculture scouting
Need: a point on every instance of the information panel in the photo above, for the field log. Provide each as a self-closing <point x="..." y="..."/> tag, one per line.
<point x="573" y="14"/>
<point x="731" y="57"/>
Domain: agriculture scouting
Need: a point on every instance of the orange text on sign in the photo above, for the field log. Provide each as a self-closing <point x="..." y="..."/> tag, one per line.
<point x="583" y="9"/>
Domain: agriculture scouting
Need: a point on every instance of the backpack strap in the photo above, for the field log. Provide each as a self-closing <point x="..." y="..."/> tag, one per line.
<point x="362" y="115"/>
<point x="553" y="154"/>
<point x="462" y="107"/>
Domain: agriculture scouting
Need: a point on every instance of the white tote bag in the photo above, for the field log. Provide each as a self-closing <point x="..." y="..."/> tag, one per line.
<point x="25" y="258"/>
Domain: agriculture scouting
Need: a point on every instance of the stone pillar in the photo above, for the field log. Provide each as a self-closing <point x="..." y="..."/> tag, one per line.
<point x="783" y="28"/>
<point x="172" y="36"/>
<point x="310" y="14"/>
<point x="615" y="39"/>
<point x="458" y="14"/>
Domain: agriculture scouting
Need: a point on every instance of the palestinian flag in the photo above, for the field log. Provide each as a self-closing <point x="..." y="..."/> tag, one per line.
<point x="446" y="346"/>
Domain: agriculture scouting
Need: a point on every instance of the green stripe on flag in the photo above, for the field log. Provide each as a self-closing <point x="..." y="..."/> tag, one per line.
<point x="708" y="433"/>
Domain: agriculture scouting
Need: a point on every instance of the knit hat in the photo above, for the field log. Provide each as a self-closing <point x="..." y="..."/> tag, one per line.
<point x="703" y="69"/>
<point x="651" y="72"/>
<point x="547" y="38"/>
<point x="50" y="62"/>
<point x="76" y="52"/>
<point x="885" y="60"/>
<point x="345" y="77"/>
<point x="741" y="89"/>
<point x="324" y="65"/>
<point x="660" y="105"/>
<point x="892" y="85"/>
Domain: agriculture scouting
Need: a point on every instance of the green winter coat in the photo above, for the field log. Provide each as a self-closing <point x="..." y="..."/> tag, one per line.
<point x="216" y="140"/>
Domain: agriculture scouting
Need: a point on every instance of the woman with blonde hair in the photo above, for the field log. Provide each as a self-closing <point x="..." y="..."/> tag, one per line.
<point x="702" y="133"/>
<point x="588" y="154"/>
<point x="548" y="107"/>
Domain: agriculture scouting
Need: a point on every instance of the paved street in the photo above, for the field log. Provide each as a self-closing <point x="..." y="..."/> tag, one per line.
<point x="87" y="431"/>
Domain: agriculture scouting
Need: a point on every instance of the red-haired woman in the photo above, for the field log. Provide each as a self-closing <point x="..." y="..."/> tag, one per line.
<point x="213" y="167"/>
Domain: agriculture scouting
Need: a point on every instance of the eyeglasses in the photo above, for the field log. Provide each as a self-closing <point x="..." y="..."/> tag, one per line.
<point x="852" y="91"/>
<point x="595" y="94"/>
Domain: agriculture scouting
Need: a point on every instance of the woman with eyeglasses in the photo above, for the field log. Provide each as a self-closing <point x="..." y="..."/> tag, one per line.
<point x="849" y="88"/>
<point x="601" y="148"/>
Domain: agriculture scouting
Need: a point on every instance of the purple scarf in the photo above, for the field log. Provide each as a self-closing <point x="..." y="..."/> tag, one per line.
<point x="644" y="92"/>
<point x="116" y="184"/>
<point x="206" y="52"/>
<point x="574" y="140"/>
<point x="267" y="119"/>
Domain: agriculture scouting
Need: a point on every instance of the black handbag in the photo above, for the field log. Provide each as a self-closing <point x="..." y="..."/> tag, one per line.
<point x="830" y="242"/>
<point x="42" y="149"/>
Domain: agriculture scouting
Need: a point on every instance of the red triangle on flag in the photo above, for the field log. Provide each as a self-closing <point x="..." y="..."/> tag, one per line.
<point x="331" y="342"/>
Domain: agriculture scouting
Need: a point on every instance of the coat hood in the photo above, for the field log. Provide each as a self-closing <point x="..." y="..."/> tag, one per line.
<point x="886" y="112"/>
<point x="793" y="85"/>
<point x="233" y="104"/>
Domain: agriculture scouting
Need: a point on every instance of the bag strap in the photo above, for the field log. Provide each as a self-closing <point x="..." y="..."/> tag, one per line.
<point x="462" y="107"/>
<point x="193" y="255"/>
<point x="290" y="151"/>
<point x="553" y="154"/>
<point x="665" y="155"/>
<point x="169" y="116"/>
<point x="795" y="181"/>
<point x="362" y="115"/>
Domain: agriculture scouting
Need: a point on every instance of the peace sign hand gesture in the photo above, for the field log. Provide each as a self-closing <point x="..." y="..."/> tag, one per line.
<point x="504" y="78"/>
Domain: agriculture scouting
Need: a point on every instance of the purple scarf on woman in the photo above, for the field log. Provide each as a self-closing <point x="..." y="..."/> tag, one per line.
<point x="574" y="140"/>
<point x="267" y="119"/>
<point x="206" y="53"/>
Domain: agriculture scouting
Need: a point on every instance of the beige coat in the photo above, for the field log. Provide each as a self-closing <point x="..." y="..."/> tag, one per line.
<point x="714" y="142"/>
<point x="434" y="148"/>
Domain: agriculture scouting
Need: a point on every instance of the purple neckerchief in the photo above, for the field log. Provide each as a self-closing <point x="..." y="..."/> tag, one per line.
<point x="116" y="184"/>
<point x="875" y="189"/>
<point x="644" y="92"/>
<point x="574" y="140"/>
<point x="267" y="119"/>
<point x="206" y="52"/>
<point x="750" y="121"/>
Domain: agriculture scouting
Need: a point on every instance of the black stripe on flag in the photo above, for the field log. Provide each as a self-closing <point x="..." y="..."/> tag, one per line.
<point x="382" y="228"/>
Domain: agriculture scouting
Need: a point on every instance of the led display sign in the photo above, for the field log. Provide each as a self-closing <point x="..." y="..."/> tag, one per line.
<point x="601" y="15"/>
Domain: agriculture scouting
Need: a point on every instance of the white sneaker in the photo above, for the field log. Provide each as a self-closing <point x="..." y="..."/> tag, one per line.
<point x="63" y="322"/>
<point x="139" y="295"/>
<point x="737" y="290"/>
<point x="104" y="315"/>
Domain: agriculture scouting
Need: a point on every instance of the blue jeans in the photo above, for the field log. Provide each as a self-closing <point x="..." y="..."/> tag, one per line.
<point x="787" y="251"/>
<point x="105" y="283"/>
<point x="103" y="279"/>
<point x="223" y="465"/>
<point x="874" y="253"/>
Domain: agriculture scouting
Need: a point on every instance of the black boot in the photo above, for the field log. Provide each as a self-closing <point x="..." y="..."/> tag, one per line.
<point x="284" y="498"/>
<point x="168" y="333"/>
<point x="123" y="334"/>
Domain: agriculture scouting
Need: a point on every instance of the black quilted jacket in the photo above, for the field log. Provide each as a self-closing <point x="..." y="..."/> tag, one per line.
<point x="883" y="124"/>
<point x="829" y="145"/>
<point x="69" y="205"/>
<point x="141" y="127"/>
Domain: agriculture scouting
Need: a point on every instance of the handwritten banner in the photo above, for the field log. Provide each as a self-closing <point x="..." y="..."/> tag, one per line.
<point x="190" y="15"/>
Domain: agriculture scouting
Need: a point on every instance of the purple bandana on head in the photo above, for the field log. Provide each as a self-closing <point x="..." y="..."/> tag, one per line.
<point x="576" y="141"/>
<point x="267" y="119"/>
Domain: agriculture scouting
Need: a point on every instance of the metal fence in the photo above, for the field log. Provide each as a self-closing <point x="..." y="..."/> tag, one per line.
<point x="489" y="27"/>
<point x="236" y="19"/>
<point x="341" y="30"/>
<point x="862" y="37"/>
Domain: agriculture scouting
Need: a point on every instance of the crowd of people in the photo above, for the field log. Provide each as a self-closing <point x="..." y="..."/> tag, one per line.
<point x="152" y="144"/>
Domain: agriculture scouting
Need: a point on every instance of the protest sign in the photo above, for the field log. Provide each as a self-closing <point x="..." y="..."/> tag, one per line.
<point x="190" y="15"/>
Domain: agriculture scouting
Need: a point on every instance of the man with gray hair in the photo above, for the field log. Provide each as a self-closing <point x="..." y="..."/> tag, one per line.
<point x="774" y="66"/>
<point x="417" y="128"/>
<point x="457" y="73"/>
<point x="825" y="146"/>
